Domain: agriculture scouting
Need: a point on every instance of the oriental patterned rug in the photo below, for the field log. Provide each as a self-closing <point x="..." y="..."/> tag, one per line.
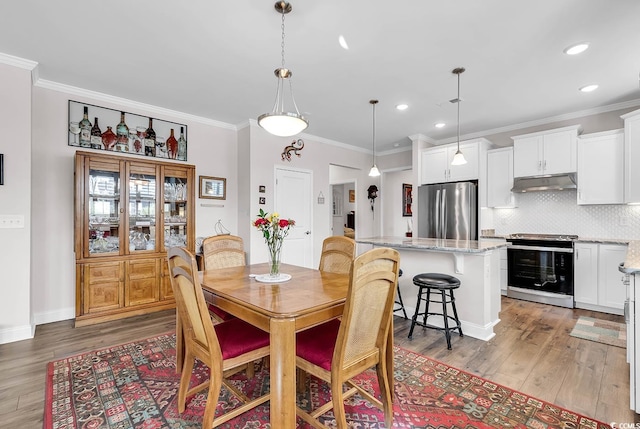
<point x="601" y="331"/>
<point x="135" y="386"/>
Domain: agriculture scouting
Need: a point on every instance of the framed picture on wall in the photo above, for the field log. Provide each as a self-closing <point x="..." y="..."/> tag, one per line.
<point x="406" y="199"/>
<point x="352" y="195"/>
<point x="213" y="187"/>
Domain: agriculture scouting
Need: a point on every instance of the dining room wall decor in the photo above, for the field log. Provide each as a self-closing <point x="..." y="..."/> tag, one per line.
<point x="102" y="128"/>
<point x="406" y="199"/>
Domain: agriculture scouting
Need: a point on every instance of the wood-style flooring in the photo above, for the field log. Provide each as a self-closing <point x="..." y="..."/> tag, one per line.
<point x="532" y="352"/>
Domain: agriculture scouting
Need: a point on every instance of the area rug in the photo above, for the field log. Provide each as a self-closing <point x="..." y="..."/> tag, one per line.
<point x="601" y="331"/>
<point x="135" y="386"/>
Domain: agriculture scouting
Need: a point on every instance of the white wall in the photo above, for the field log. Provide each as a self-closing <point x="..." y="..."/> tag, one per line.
<point x="393" y="223"/>
<point x="15" y="199"/>
<point x="212" y="149"/>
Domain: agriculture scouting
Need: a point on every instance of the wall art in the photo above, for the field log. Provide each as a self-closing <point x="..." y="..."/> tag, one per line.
<point x="101" y="128"/>
<point x="406" y="199"/>
<point x="214" y="188"/>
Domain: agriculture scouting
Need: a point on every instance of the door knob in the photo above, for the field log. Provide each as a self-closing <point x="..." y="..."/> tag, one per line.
<point x="308" y="232"/>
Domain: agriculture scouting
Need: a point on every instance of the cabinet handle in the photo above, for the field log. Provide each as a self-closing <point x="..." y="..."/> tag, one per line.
<point x="539" y="165"/>
<point x="577" y="254"/>
<point x="544" y="165"/>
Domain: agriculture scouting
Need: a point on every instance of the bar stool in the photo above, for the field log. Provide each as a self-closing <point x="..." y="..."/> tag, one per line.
<point x="398" y="304"/>
<point x="441" y="283"/>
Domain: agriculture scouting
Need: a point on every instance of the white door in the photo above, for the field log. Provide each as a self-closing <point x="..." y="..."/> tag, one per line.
<point x="293" y="201"/>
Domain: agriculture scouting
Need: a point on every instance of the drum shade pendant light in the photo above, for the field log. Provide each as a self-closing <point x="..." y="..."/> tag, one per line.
<point x="280" y="122"/>
<point x="374" y="172"/>
<point x="458" y="158"/>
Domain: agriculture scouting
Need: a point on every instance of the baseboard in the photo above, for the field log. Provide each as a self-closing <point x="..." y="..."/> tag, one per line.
<point x="54" y="316"/>
<point x="17" y="333"/>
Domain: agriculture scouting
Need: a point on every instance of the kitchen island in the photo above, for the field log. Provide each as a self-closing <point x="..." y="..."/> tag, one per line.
<point x="475" y="263"/>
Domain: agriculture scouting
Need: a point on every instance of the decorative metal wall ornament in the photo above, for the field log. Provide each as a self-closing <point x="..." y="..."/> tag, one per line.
<point x="296" y="146"/>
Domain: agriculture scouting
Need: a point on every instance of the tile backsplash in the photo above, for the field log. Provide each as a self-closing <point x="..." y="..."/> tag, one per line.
<point x="559" y="213"/>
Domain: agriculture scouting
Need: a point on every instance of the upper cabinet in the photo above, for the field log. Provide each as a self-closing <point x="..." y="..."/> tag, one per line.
<point x="547" y="152"/>
<point x="435" y="163"/>
<point x="500" y="178"/>
<point x="600" y="168"/>
<point x="632" y="157"/>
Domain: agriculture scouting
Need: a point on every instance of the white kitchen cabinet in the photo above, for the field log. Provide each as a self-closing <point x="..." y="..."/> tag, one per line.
<point x="500" y="178"/>
<point x="597" y="281"/>
<point x="601" y="168"/>
<point x="632" y="157"/>
<point x="437" y="168"/>
<point x="547" y="152"/>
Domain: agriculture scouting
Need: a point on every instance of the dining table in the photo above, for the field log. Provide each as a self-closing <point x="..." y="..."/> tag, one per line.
<point x="281" y="308"/>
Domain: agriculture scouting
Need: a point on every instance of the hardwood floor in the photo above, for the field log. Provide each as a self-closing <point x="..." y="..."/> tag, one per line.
<point x="532" y="352"/>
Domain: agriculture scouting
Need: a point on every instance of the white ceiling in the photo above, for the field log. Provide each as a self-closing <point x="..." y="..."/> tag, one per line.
<point x="215" y="59"/>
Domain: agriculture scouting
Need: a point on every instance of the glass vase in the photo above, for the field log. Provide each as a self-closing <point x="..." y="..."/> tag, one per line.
<point x="274" y="261"/>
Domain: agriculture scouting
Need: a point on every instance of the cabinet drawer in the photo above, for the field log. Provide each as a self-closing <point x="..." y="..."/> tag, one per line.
<point x="100" y="273"/>
<point x="103" y="287"/>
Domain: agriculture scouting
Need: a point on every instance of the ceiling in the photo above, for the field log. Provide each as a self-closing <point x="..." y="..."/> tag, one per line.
<point x="216" y="59"/>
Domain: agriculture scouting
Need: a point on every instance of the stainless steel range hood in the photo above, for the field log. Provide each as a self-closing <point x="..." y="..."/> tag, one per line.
<point x="558" y="182"/>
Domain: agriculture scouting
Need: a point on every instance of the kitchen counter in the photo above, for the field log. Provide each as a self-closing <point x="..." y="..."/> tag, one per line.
<point x="475" y="263"/>
<point x="601" y="240"/>
<point x="434" y="244"/>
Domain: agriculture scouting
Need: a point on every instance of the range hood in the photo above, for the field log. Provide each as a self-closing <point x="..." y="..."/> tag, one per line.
<point x="558" y="182"/>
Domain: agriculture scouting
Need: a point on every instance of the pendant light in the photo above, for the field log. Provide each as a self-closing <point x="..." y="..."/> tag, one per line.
<point x="458" y="158"/>
<point x="280" y="122"/>
<point x="374" y="172"/>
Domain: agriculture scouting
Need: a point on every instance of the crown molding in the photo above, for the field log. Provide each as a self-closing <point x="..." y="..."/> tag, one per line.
<point x="17" y="62"/>
<point x="545" y="121"/>
<point x="131" y="104"/>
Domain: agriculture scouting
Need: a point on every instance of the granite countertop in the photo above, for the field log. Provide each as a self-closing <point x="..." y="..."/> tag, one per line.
<point x="602" y="240"/>
<point x="632" y="261"/>
<point x="434" y="244"/>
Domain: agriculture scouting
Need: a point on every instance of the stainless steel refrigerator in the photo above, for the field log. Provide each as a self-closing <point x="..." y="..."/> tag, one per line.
<point x="448" y="210"/>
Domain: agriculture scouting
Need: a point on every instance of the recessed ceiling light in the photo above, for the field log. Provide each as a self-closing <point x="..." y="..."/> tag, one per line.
<point x="396" y="145"/>
<point x="589" y="88"/>
<point x="440" y="125"/>
<point x="402" y="106"/>
<point x="343" y="42"/>
<point x="577" y="48"/>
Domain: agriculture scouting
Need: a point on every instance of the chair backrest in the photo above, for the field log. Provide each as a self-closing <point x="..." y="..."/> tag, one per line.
<point x="190" y="303"/>
<point x="223" y="251"/>
<point x="369" y="305"/>
<point x="337" y="254"/>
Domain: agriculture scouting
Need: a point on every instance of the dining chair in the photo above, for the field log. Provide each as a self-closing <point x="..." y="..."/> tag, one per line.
<point x="337" y="254"/>
<point x="339" y="350"/>
<point x="224" y="347"/>
<point x="222" y="251"/>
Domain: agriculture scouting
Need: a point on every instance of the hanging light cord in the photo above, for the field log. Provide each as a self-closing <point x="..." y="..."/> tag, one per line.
<point x="459" y="112"/>
<point x="282" y="43"/>
<point x="374" y="130"/>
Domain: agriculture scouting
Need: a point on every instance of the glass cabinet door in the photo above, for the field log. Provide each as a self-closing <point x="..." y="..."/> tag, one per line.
<point x="104" y="210"/>
<point x="175" y="210"/>
<point x="142" y="209"/>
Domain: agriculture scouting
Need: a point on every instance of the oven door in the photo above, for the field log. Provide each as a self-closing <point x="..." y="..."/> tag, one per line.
<point x="547" y="269"/>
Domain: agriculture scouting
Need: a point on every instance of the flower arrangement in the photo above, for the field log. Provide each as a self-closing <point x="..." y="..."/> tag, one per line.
<point x="274" y="229"/>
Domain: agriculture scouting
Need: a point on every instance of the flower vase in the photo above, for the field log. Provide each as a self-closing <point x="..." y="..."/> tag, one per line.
<point x="274" y="262"/>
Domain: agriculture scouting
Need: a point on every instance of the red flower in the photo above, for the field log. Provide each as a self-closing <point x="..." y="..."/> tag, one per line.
<point x="283" y="223"/>
<point x="260" y="221"/>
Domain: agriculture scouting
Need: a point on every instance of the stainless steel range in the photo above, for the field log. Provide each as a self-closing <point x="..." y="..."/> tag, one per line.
<point x="540" y="268"/>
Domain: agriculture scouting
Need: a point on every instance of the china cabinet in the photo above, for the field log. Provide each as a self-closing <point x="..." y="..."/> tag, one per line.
<point x="127" y="213"/>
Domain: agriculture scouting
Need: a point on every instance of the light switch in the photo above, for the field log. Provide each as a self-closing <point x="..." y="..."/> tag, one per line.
<point x="11" y="221"/>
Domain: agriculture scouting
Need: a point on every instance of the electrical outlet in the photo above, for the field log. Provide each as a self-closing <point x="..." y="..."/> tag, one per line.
<point x="11" y="221"/>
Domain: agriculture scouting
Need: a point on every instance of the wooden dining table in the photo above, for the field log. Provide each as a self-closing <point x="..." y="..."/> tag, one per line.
<point x="309" y="298"/>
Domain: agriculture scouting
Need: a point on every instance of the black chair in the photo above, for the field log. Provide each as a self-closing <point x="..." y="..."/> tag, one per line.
<point x="438" y="283"/>
<point x="398" y="304"/>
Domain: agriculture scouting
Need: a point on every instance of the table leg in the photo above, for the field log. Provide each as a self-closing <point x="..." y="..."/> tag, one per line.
<point x="283" y="373"/>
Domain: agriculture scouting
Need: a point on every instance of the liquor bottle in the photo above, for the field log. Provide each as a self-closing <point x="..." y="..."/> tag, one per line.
<point x="109" y="139"/>
<point x="122" y="131"/>
<point x="85" y="129"/>
<point x="182" y="146"/>
<point x="172" y="146"/>
<point x="96" y="135"/>
<point x="150" y="140"/>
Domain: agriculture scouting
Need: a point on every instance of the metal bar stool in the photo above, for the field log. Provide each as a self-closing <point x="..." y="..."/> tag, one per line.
<point x="439" y="283"/>
<point x="399" y="305"/>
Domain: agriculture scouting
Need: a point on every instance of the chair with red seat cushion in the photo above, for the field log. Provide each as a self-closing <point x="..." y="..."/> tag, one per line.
<point x="339" y="350"/>
<point x="223" y="347"/>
